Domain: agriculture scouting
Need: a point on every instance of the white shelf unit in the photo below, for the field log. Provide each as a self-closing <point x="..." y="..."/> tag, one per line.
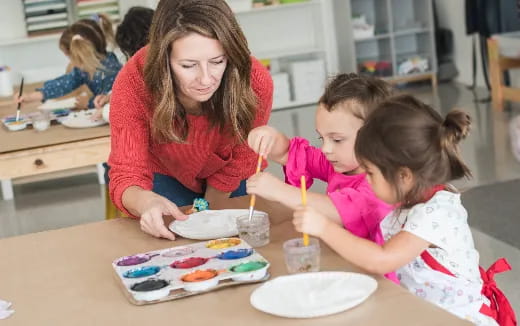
<point x="403" y="30"/>
<point x="293" y="32"/>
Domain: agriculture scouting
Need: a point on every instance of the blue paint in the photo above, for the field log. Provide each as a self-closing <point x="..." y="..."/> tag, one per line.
<point x="235" y="254"/>
<point x="142" y="272"/>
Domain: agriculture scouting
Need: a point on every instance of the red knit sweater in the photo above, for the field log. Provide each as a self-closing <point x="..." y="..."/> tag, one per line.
<point x="207" y="156"/>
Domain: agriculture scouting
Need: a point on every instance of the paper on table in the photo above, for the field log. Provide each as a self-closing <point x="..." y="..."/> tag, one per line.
<point x="4" y="309"/>
<point x="67" y="103"/>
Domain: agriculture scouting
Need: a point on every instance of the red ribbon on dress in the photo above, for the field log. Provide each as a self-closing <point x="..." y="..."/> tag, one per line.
<point x="499" y="308"/>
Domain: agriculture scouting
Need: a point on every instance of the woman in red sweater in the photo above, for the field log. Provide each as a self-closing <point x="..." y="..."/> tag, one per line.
<point x="181" y="109"/>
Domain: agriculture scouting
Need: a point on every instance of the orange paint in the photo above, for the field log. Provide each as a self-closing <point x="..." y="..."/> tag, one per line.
<point x="199" y="275"/>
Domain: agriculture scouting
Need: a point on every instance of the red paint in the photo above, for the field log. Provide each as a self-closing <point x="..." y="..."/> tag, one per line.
<point x="189" y="262"/>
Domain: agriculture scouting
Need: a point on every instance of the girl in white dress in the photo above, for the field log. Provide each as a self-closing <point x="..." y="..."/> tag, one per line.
<point x="410" y="154"/>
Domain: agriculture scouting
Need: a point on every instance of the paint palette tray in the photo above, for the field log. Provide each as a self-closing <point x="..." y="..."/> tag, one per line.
<point x="26" y="119"/>
<point x="183" y="271"/>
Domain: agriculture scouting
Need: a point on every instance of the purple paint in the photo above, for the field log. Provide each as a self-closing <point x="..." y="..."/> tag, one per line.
<point x="134" y="260"/>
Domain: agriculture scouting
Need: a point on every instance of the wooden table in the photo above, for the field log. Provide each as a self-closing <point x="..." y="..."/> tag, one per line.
<point x="29" y="152"/>
<point x="65" y="277"/>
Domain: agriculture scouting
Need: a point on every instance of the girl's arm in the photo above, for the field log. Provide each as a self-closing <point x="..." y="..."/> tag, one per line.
<point x="270" y="143"/>
<point x="271" y="188"/>
<point x="63" y="85"/>
<point x="398" y="251"/>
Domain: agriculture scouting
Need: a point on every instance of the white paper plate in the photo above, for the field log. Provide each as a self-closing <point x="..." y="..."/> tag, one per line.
<point x="209" y="224"/>
<point x="82" y="119"/>
<point x="312" y="294"/>
<point x="67" y="103"/>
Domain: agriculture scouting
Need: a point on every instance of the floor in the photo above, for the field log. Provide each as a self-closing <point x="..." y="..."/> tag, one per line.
<point x="63" y="202"/>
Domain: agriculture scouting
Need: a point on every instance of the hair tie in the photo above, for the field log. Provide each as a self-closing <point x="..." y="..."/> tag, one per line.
<point x="77" y="37"/>
<point x="95" y="17"/>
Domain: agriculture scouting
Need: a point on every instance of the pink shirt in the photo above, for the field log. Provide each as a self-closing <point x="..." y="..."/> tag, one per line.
<point x="360" y="210"/>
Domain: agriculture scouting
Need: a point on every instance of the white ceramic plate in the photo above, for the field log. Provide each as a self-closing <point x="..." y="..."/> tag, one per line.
<point x="312" y="294"/>
<point x="209" y="224"/>
<point x="67" y="103"/>
<point x="82" y="119"/>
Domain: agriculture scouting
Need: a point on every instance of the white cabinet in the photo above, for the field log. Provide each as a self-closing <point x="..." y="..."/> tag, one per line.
<point x="297" y="39"/>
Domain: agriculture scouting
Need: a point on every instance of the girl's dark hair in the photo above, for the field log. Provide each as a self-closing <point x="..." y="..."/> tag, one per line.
<point x="363" y="93"/>
<point x="132" y="32"/>
<point x="233" y="105"/>
<point x="404" y="132"/>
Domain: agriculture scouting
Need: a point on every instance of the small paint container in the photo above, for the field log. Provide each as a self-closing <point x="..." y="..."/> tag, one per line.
<point x="151" y="290"/>
<point x="255" y="231"/>
<point x="178" y="252"/>
<point x="235" y="254"/>
<point x="300" y="258"/>
<point x="200" y="280"/>
<point x="144" y="271"/>
<point x="16" y="125"/>
<point x="249" y="271"/>
<point x="223" y="243"/>
<point x="189" y="262"/>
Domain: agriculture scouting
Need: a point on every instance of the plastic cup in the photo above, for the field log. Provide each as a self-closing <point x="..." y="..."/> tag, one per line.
<point x="41" y="121"/>
<point x="256" y="231"/>
<point x="300" y="258"/>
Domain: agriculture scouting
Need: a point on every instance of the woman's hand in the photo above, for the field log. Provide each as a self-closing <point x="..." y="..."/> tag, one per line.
<point x="265" y="185"/>
<point x="307" y="220"/>
<point x="101" y="100"/>
<point x="152" y="209"/>
<point x="31" y="97"/>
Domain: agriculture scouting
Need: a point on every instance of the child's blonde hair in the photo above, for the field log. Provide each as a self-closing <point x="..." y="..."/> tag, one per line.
<point x="362" y="93"/>
<point x="85" y="43"/>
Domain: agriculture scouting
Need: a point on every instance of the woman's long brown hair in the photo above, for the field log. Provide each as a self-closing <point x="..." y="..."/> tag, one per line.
<point x="233" y="105"/>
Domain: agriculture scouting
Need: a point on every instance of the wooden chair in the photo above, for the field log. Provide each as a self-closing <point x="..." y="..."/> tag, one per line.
<point x="498" y="64"/>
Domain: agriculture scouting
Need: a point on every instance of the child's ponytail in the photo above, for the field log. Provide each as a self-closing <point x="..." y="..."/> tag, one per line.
<point x="455" y="128"/>
<point x="105" y="23"/>
<point x="84" y="54"/>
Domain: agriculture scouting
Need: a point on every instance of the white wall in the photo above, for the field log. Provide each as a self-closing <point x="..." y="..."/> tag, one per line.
<point x="451" y="15"/>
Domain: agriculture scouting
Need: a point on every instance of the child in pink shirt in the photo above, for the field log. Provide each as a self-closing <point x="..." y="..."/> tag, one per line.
<point x="349" y="201"/>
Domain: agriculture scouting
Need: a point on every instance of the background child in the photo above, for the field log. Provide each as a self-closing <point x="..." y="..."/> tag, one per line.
<point x="410" y="153"/>
<point x="343" y="108"/>
<point x="132" y="34"/>
<point x="85" y="44"/>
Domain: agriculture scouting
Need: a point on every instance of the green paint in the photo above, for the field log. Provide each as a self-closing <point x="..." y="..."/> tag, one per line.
<point x="248" y="267"/>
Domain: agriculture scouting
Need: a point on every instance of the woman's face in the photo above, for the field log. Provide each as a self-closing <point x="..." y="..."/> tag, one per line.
<point x="198" y="64"/>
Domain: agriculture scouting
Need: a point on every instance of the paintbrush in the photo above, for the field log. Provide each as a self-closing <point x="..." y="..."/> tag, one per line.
<point x="303" y="187"/>
<point x="253" y="197"/>
<point x="19" y="102"/>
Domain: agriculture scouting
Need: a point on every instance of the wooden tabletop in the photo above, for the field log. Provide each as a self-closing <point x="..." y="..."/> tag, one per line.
<point x="65" y="277"/>
<point x="29" y="138"/>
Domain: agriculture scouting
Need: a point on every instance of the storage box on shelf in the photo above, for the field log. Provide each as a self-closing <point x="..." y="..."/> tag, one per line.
<point x="46" y="15"/>
<point x="402" y="47"/>
<point x="88" y="8"/>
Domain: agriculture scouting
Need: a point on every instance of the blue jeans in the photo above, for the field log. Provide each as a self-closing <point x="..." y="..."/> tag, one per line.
<point x="175" y="191"/>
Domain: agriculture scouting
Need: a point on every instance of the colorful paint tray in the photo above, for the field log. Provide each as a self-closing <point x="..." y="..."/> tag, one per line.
<point x="26" y="119"/>
<point x="183" y="271"/>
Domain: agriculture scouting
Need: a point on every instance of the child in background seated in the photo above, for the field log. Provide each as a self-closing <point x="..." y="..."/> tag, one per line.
<point x="131" y="35"/>
<point x="350" y="202"/>
<point x="85" y="45"/>
<point x="409" y="154"/>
